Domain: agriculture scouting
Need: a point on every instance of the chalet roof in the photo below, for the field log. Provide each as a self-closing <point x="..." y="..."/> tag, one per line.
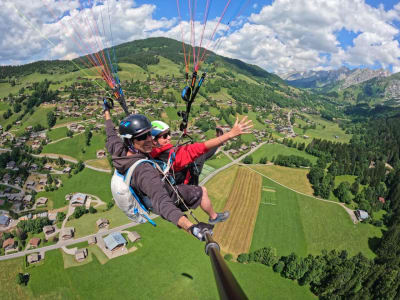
<point x="8" y="242"/>
<point x="34" y="257"/>
<point x="101" y="221"/>
<point x="78" y="198"/>
<point x="48" y="228"/>
<point x="4" y="220"/>
<point x="133" y="236"/>
<point x="34" y="241"/>
<point x="81" y="254"/>
<point x="114" y="240"/>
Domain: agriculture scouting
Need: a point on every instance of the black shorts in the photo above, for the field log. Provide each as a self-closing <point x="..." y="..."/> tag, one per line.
<point x="191" y="195"/>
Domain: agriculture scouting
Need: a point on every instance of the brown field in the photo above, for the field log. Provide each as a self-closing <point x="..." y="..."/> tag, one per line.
<point x="293" y="178"/>
<point x="234" y="236"/>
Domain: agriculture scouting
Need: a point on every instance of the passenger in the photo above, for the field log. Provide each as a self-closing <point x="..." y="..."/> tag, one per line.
<point x="189" y="159"/>
<point x="146" y="180"/>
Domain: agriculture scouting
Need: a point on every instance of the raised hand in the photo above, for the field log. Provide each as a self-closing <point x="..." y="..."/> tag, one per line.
<point x="241" y="127"/>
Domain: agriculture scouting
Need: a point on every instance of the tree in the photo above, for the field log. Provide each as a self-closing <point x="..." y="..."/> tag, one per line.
<point x="70" y="133"/>
<point x="60" y="216"/>
<point x="355" y="187"/>
<point x="248" y="160"/>
<point x="92" y="210"/>
<point x="110" y="205"/>
<point x="51" y="119"/>
<point x="342" y="192"/>
<point x="22" y="279"/>
<point x="79" y="212"/>
<point x="263" y="160"/>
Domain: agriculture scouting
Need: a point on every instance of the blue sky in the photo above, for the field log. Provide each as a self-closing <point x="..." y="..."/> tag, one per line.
<point x="280" y="36"/>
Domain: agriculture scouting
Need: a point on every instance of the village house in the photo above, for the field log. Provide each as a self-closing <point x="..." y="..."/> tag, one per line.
<point x="92" y="240"/>
<point x="114" y="241"/>
<point x="102" y="223"/>
<point x="30" y="184"/>
<point x="78" y="199"/>
<point x="47" y="167"/>
<point x="67" y="233"/>
<point x="43" y="180"/>
<point x="81" y="254"/>
<point x="9" y="244"/>
<point x="34" y="242"/>
<point x="101" y="153"/>
<point x="49" y="229"/>
<point x="381" y="200"/>
<point x="33" y="167"/>
<point x="27" y="198"/>
<point x="67" y="170"/>
<point x="41" y="201"/>
<point x="361" y="214"/>
<point x="33" y="258"/>
<point x="133" y="236"/>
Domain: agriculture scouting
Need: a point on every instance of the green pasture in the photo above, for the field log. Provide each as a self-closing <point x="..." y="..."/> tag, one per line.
<point x="68" y="120"/>
<point x="172" y="113"/>
<point x="170" y="265"/>
<point x="73" y="146"/>
<point x="218" y="160"/>
<point x="4" y="106"/>
<point x="165" y="67"/>
<point x="38" y="117"/>
<point x="131" y="72"/>
<point x="273" y="150"/>
<point x="302" y="224"/>
<point x="86" y="224"/>
<point x="330" y="131"/>
<point x="87" y="181"/>
<point x="57" y="133"/>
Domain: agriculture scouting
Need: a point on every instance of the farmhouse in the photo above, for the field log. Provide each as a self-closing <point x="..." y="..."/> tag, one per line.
<point x="41" y="201"/>
<point x="114" y="241"/>
<point x="9" y="244"/>
<point x="49" y="229"/>
<point x="101" y="153"/>
<point x="67" y="170"/>
<point x="34" y="242"/>
<point x="92" y="240"/>
<point x="361" y="214"/>
<point x="4" y="221"/>
<point x="133" y="236"/>
<point x="81" y="254"/>
<point x="33" y="258"/>
<point x="27" y="198"/>
<point x="78" y="199"/>
<point x="42" y="180"/>
<point x="101" y="223"/>
<point x="67" y="233"/>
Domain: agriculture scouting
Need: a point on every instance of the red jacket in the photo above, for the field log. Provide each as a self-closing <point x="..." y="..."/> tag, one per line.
<point x="184" y="155"/>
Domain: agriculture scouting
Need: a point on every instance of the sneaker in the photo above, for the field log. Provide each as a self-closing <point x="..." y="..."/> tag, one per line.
<point x="221" y="217"/>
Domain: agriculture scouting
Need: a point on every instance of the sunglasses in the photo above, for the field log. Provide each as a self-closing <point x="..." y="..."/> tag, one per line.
<point x="164" y="136"/>
<point x="143" y="136"/>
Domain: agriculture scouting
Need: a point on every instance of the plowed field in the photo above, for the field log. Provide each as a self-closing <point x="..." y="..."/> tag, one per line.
<point x="234" y="236"/>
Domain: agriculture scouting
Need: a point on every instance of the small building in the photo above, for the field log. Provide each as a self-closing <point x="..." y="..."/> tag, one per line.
<point x="114" y="241"/>
<point x="381" y="200"/>
<point x="92" y="240"/>
<point x="27" y="198"/>
<point x="33" y="258"/>
<point x="49" y="229"/>
<point x="43" y="180"/>
<point x="34" y="242"/>
<point x="9" y="244"/>
<point x="361" y="214"/>
<point x="4" y="221"/>
<point x="102" y="223"/>
<point x="101" y="153"/>
<point x="67" y="233"/>
<point x="78" y="199"/>
<point x="81" y="254"/>
<point x="67" y="170"/>
<point x="41" y="201"/>
<point x="30" y="183"/>
<point x="134" y="236"/>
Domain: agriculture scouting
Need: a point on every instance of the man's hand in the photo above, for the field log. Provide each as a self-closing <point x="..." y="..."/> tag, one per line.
<point x="107" y="104"/>
<point x="199" y="230"/>
<point x="241" y="127"/>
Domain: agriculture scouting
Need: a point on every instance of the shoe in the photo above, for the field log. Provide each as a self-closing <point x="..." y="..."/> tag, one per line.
<point x="221" y="217"/>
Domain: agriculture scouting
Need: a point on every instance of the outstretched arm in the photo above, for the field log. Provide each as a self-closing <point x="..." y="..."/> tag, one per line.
<point x="240" y="127"/>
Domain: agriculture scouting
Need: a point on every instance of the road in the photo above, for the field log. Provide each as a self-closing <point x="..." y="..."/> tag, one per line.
<point x="61" y="244"/>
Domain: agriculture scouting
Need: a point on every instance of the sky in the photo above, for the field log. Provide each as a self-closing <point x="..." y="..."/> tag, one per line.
<point x="281" y="36"/>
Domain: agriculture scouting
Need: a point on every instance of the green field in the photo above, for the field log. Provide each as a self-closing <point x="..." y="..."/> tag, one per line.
<point x="170" y="265"/>
<point x="273" y="150"/>
<point x="325" y="130"/>
<point x="87" y="181"/>
<point x="38" y="117"/>
<point x="86" y="224"/>
<point x="219" y="160"/>
<point x="73" y="146"/>
<point x="303" y="224"/>
<point x="57" y="133"/>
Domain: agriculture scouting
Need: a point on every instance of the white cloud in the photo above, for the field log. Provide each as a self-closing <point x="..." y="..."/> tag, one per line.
<point x="291" y="35"/>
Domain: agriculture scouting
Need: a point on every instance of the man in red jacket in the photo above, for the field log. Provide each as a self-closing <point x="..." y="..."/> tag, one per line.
<point x="187" y="154"/>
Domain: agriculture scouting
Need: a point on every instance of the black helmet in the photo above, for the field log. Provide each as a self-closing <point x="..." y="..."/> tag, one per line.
<point x="133" y="126"/>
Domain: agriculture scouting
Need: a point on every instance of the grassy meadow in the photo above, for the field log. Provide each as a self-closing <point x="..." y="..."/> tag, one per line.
<point x="273" y="150"/>
<point x="163" y="273"/>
